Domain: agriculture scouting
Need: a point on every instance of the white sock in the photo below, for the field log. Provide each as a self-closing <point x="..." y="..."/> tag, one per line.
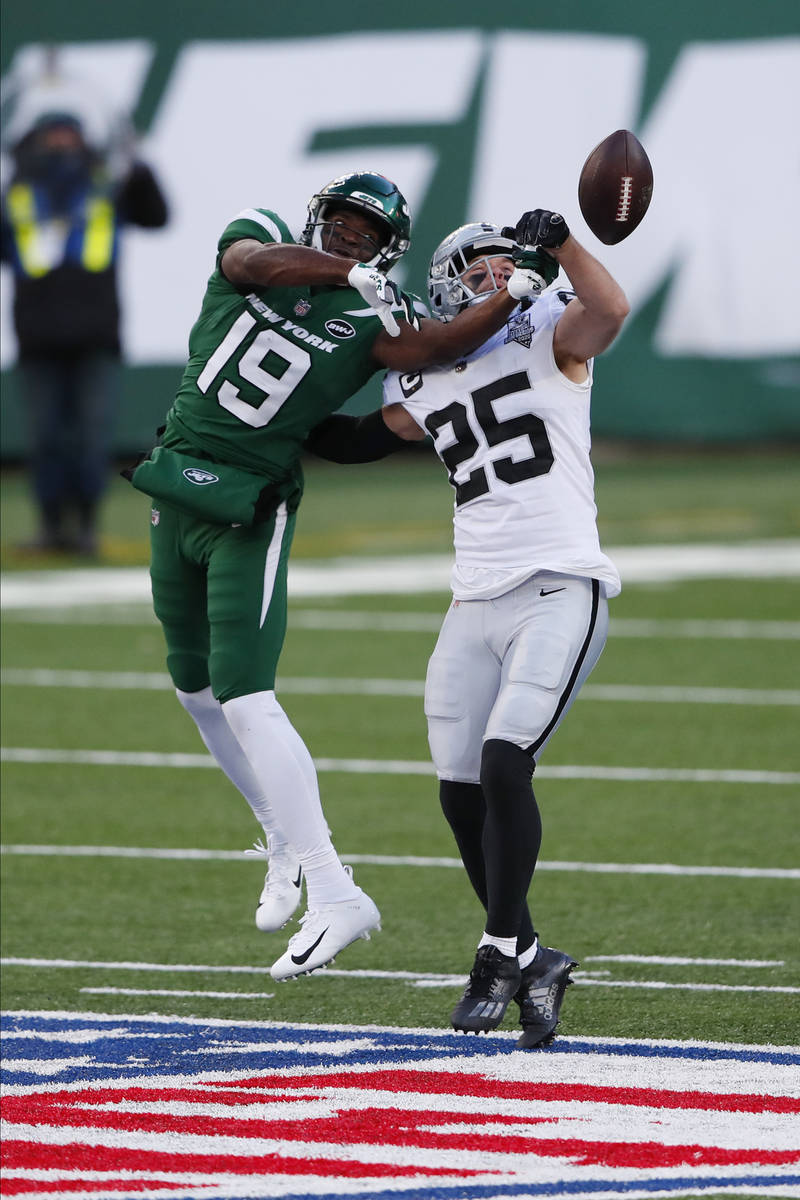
<point x="527" y="956"/>
<point x="507" y="946"/>
<point x="285" y="771"/>
<point x="220" y="741"/>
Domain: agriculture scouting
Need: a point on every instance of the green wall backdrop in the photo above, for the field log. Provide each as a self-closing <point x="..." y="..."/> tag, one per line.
<point x="477" y="113"/>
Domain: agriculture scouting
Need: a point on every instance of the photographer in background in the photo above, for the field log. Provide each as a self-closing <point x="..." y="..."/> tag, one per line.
<point x="62" y="212"/>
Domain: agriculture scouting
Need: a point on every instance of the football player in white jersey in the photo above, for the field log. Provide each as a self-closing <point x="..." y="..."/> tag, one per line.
<point x="530" y="584"/>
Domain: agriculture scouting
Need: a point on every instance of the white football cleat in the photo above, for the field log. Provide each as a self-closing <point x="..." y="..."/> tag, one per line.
<point x="283" y="887"/>
<point x="325" y="931"/>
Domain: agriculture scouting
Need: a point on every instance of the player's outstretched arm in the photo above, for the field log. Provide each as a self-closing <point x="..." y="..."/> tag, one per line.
<point x="282" y="264"/>
<point x="590" y="323"/>
<point x="341" y="438"/>
<point x="250" y="263"/>
<point x="437" y="342"/>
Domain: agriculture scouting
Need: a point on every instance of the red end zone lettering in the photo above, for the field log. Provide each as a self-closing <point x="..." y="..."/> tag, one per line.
<point x="184" y="1108"/>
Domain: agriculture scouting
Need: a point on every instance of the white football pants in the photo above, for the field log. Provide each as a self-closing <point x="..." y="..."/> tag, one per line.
<point x="510" y="668"/>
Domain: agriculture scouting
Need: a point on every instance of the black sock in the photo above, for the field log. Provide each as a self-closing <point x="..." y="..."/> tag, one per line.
<point x="512" y="834"/>
<point x="464" y="806"/>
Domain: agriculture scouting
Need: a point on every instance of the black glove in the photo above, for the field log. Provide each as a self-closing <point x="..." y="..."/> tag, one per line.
<point x="540" y="227"/>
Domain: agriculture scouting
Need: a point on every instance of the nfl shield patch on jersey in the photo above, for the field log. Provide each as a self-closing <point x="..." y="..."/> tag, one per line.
<point x="520" y="330"/>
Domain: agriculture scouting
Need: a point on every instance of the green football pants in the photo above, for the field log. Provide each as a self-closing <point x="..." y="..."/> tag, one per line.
<point x="220" y="594"/>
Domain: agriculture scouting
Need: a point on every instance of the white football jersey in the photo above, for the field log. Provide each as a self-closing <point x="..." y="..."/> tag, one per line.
<point x="514" y="435"/>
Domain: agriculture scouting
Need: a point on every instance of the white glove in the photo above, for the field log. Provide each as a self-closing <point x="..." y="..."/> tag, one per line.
<point x="379" y="292"/>
<point x="525" y="282"/>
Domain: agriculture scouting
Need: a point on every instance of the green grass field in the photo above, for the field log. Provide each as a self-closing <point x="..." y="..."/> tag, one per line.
<point x="163" y="915"/>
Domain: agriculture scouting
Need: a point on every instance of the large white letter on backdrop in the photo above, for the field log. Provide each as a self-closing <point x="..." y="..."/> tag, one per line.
<point x="722" y="138"/>
<point x="234" y="131"/>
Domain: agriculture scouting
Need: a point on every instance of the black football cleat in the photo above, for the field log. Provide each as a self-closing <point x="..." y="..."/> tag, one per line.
<point x="493" y="981"/>
<point x="540" y="995"/>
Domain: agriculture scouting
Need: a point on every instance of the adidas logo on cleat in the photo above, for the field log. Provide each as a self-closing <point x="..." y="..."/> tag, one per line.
<point x="487" y="1011"/>
<point x="544" y="999"/>
<point x="540" y="996"/>
<point x="493" y="980"/>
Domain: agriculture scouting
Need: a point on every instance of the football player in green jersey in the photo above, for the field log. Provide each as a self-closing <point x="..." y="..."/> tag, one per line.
<point x="286" y="333"/>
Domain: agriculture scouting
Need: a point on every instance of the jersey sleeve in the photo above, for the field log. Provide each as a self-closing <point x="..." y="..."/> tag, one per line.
<point x="550" y="307"/>
<point x="257" y="223"/>
<point x="399" y="388"/>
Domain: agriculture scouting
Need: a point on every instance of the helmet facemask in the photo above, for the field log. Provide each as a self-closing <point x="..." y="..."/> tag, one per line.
<point x="370" y="249"/>
<point x="449" y="287"/>
<point x="373" y="195"/>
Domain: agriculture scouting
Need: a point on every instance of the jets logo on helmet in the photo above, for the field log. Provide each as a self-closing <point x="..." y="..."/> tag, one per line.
<point x="447" y="289"/>
<point x="370" y="193"/>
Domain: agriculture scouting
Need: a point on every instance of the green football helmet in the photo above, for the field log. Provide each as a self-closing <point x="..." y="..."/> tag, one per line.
<point x="369" y="193"/>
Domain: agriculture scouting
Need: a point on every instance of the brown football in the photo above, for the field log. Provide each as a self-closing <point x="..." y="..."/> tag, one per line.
<point x="615" y="186"/>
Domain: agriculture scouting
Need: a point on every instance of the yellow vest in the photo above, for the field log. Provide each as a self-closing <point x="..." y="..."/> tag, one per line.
<point x="42" y="244"/>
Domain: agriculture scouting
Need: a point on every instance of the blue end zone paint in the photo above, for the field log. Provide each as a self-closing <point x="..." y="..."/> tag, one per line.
<point x="691" y="1185"/>
<point x="148" y="1047"/>
<point x="586" y="1187"/>
<point x="706" y="1053"/>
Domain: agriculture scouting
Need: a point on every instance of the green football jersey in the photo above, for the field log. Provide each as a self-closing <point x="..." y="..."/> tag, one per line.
<point x="266" y="367"/>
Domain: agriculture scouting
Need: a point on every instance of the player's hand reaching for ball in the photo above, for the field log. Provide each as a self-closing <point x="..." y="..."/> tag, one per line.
<point x="540" y="227"/>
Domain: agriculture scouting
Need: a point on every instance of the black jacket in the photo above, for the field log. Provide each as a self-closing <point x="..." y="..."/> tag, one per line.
<point x="70" y="308"/>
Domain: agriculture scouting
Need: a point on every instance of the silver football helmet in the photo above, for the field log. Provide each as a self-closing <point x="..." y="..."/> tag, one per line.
<point x="447" y="290"/>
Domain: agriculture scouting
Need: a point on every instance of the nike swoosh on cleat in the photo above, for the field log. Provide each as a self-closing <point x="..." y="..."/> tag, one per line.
<point x="296" y="882"/>
<point x="550" y="591"/>
<point x="299" y="959"/>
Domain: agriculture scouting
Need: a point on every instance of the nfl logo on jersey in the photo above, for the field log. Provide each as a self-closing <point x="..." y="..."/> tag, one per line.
<point x="520" y="330"/>
<point x="302" y="308"/>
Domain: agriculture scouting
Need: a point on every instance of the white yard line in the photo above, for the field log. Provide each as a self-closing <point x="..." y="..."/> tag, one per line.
<point x="425" y="979"/>
<point x="635" y="627"/>
<point x="411" y="860"/>
<point x="446" y="981"/>
<point x="779" y="558"/>
<point x="737" y="630"/>
<point x="388" y="766"/>
<point x="662" y="984"/>
<point x="322" y="686"/>
<point x="112" y="991"/>
<point x="656" y="694"/>
<point x="680" y="961"/>
<point x="126" y="613"/>
<point x="421" y="979"/>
